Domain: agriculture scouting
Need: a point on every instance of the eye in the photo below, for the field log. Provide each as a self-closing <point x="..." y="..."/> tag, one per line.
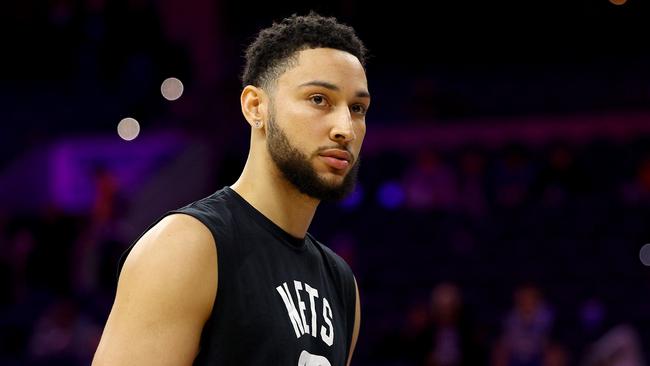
<point x="318" y="100"/>
<point x="359" y="108"/>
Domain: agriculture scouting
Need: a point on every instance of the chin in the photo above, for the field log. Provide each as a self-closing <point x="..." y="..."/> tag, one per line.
<point x="334" y="176"/>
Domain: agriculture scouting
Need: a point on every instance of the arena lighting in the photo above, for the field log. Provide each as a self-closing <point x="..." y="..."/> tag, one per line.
<point x="353" y="200"/>
<point x="128" y="129"/>
<point x="171" y="89"/>
<point x="644" y="255"/>
<point x="390" y="195"/>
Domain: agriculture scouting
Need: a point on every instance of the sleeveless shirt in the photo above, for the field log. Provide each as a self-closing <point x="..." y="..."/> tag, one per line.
<point x="280" y="300"/>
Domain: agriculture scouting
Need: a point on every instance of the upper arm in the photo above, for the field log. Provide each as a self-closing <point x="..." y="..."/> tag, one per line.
<point x="164" y="296"/>
<point x="357" y="323"/>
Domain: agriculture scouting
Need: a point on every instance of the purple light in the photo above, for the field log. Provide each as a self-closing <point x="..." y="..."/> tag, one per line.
<point x="390" y="195"/>
<point x="353" y="200"/>
<point x="73" y="163"/>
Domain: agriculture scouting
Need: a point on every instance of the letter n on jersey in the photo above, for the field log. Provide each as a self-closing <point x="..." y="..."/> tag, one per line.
<point x="307" y="323"/>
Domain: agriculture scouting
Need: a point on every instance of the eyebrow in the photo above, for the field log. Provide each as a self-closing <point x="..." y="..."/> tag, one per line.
<point x="330" y="86"/>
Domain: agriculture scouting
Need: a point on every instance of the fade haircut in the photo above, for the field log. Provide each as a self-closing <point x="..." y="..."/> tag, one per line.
<point x="275" y="49"/>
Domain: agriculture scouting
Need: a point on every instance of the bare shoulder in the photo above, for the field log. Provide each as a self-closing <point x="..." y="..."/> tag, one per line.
<point x="176" y="237"/>
<point x="165" y="294"/>
<point x="174" y="254"/>
<point x="175" y="257"/>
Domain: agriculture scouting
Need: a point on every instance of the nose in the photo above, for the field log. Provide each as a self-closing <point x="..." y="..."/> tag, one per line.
<point x="343" y="131"/>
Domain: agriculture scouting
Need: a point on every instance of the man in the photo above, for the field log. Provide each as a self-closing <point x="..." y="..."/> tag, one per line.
<point x="235" y="278"/>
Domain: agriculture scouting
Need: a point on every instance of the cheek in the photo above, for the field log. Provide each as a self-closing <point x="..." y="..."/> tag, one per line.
<point x="360" y="132"/>
<point x="307" y="128"/>
<point x="300" y="132"/>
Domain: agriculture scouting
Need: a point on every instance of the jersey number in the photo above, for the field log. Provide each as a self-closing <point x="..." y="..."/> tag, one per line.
<point x="307" y="359"/>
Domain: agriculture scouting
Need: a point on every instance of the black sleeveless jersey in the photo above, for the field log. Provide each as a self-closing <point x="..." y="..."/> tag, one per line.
<point x="280" y="300"/>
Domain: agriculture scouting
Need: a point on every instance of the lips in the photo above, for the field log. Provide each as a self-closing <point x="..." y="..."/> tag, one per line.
<point x="338" y="154"/>
<point x="337" y="159"/>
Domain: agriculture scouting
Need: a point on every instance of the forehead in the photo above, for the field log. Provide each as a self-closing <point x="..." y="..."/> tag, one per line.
<point x="334" y="66"/>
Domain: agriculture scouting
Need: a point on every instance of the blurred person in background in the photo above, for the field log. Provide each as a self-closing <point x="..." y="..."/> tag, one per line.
<point x="472" y="199"/>
<point x="450" y="337"/>
<point x="430" y="184"/>
<point x="526" y="339"/>
<point x="620" y="346"/>
<point x="636" y="192"/>
<point x="437" y="332"/>
<point x="605" y="342"/>
<point x="513" y="178"/>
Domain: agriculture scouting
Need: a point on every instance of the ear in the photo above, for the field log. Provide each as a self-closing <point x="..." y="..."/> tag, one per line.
<point x="254" y="104"/>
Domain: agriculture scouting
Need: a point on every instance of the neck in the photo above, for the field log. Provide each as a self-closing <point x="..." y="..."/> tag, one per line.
<point x="264" y="187"/>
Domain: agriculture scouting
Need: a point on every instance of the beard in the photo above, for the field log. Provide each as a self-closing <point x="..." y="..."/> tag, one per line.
<point x="297" y="168"/>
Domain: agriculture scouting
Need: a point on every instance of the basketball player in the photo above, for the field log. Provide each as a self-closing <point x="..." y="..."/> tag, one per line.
<point x="235" y="278"/>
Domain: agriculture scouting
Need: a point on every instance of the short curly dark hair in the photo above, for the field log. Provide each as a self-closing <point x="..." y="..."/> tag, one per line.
<point x="274" y="50"/>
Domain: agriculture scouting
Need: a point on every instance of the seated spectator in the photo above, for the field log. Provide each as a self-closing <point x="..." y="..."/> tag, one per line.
<point x="449" y="337"/>
<point x="525" y="338"/>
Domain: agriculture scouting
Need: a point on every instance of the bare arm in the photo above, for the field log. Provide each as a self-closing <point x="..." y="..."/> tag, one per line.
<point x="357" y="323"/>
<point x="164" y="296"/>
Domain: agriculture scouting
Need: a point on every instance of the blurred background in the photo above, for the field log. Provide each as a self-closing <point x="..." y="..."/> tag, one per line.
<point x="503" y="206"/>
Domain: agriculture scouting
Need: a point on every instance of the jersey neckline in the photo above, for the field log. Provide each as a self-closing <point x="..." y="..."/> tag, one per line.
<point x="290" y="240"/>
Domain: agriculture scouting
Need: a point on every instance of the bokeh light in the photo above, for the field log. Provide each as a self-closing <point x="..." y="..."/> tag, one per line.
<point x="171" y="89"/>
<point x="391" y="195"/>
<point x="644" y="255"/>
<point x="354" y="199"/>
<point x="128" y="129"/>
